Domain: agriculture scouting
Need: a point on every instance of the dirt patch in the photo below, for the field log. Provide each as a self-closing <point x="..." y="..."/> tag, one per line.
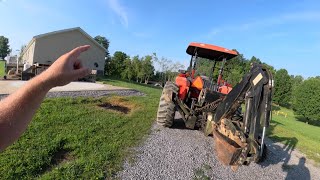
<point x="118" y="104"/>
<point x="119" y="108"/>
<point x="61" y="156"/>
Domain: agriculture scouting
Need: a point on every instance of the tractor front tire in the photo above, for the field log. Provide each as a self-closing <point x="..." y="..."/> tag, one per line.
<point x="166" y="110"/>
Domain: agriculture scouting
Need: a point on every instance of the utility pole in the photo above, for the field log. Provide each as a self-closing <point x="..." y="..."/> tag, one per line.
<point x="17" y="62"/>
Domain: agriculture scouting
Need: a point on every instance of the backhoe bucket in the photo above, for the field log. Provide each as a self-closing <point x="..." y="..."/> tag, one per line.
<point x="228" y="151"/>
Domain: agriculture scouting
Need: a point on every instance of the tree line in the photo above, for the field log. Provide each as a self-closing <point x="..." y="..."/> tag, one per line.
<point x="136" y="68"/>
<point x="302" y="95"/>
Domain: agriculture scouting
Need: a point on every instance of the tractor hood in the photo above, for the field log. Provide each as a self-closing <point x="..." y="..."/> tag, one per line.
<point x="211" y="52"/>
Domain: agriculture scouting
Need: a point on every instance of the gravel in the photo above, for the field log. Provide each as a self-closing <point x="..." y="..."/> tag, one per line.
<point x="91" y="93"/>
<point x="100" y="93"/>
<point x="179" y="153"/>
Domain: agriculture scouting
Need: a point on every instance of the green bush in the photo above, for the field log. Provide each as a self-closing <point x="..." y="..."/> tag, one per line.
<point x="307" y="100"/>
<point x="282" y="88"/>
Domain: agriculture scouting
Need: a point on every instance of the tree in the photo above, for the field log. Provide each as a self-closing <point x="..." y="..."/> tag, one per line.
<point x="282" y="87"/>
<point x="127" y="73"/>
<point x="172" y="70"/>
<point x="307" y="100"/>
<point x="235" y="69"/>
<point x="105" y="43"/>
<point x="255" y="60"/>
<point x="136" y="64"/>
<point x="296" y="82"/>
<point x="147" y="68"/>
<point x="4" y="47"/>
<point x="163" y="66"/>
<point x="270" y="68"/>
<point x="117" y="63"/>
<point x="204" y="67"/>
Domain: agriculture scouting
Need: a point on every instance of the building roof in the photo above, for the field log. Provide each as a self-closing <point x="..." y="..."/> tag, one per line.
<point x="63" y="31"/>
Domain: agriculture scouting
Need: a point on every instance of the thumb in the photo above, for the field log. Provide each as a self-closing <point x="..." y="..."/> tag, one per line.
<point x="82" y="72"/>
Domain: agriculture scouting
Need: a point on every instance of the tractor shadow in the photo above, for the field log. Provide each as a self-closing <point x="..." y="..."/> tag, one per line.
<point x="276" y="153"/>
<point x="178" y="122"/>
<point x="282" y="154"/>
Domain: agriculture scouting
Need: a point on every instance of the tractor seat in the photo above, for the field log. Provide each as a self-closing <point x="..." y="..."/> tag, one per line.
<point x="206" y="82"/>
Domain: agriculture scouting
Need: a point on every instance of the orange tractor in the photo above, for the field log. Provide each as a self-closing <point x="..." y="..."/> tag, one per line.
<point x="215" y="107"/>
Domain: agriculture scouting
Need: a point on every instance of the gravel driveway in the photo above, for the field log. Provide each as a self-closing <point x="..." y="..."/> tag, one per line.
<point x="91" y="93"/>
<point x="8" y="86"/>
<point x="73" y="89"/>
<point x="178" y="153"/>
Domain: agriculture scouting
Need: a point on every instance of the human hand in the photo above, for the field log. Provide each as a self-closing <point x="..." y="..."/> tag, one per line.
<point x="66" y="68"/>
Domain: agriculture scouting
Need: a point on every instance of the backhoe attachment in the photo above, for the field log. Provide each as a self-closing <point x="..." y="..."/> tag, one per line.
<point x="239" y="135"/>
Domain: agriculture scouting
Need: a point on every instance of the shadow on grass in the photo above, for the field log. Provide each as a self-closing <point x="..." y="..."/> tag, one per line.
<point x="288" y="106"/>
<point x="275" y="108"/>
<point x="282" y="154"/>
<point x="308" y="121"/>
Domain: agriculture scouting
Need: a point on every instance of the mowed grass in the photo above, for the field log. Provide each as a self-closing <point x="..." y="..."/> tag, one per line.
<point x="2" y="68"/>
<point x="296" y="134"/>
<point x="76" y="139"/>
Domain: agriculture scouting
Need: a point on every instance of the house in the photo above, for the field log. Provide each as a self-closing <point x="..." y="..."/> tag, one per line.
<point x="46" y="48"/>
<point x="12" y="59"/>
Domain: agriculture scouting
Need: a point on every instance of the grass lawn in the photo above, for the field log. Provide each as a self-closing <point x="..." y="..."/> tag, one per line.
<point x="75" y="138"/>
<point x="2" y="68"/>
<point x="294" y="133"/>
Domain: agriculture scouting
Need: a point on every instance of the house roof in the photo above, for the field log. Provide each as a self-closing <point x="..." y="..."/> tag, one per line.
<point x="63" y="31"/>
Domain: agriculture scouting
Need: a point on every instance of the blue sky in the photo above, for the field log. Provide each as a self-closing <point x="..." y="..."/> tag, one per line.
<point x="282" y="33"/>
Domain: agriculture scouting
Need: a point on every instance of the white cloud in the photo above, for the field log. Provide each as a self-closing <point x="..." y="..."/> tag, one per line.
<point x="120" y="11"/>
<point x="302" y="16"/>
<point x="282" y="19"/>
<point x="306" y="16"/>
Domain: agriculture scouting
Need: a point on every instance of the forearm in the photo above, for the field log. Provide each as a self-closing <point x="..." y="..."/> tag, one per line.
<point x="17" y="110"/>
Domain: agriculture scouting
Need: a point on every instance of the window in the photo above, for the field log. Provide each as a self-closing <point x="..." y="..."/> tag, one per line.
<point x="96" y="65"/>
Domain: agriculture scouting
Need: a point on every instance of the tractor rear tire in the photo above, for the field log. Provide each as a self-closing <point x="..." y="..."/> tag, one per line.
<point x="166" y="110"/>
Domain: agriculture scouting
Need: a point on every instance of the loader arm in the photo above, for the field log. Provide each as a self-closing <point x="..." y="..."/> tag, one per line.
<point x="239" y="137"/>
